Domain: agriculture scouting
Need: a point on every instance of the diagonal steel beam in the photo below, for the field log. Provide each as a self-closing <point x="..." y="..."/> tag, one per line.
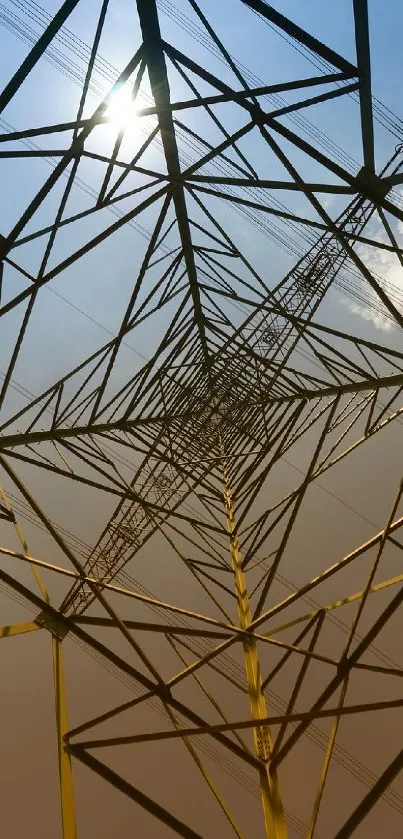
<point x="266" y="11"/>
<point x="148" y="804"/>
<point x="157" y="71"/>
<point x="364" y="66"/>
<point x="75" y="432"/>
<point x="372" y="797"/>
<point x="341" y="390"/>
<point x="36" y="53"/>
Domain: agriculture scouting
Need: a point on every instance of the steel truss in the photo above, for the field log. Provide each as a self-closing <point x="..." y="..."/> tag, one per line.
<point x="189" y="444"/>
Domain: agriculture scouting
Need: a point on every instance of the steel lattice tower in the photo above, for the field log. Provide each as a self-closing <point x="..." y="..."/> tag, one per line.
<point x="181" y="458"/>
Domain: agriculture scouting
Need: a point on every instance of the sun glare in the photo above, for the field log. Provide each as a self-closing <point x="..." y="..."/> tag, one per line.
<point x="121" y="109"/>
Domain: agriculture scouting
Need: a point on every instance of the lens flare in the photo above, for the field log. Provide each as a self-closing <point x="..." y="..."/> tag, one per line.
<point x="121" y="109"/>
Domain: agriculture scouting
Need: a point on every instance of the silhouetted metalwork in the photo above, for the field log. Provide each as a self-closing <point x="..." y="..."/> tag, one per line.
<point x="186" y="443"/>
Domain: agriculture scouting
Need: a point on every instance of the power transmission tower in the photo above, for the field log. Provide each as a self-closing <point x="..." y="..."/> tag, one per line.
<point x="182" y="458"/>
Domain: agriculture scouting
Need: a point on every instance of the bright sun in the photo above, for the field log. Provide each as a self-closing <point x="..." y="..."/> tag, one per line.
<point x="121" y="109"/>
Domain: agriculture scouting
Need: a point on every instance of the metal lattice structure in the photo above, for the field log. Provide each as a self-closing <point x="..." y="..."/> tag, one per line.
<point x="181" y="459"/>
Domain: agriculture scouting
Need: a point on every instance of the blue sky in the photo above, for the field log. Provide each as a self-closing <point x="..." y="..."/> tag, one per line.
<point x="81" y="309"/>
<point x="48" y="96"/>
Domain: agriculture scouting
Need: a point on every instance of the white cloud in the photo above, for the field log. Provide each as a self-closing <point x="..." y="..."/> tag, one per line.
<point x="387" y="271"/>
<point x="379" y="320"/>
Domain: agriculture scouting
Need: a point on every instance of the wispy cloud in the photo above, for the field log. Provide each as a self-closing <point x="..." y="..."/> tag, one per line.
<point x="379" y="320"/>
<point x="386" y="270"/>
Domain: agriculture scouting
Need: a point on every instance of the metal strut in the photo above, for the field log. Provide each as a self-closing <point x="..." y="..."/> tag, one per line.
<point x="273" y="810"/>
<point x="65" y="769"/>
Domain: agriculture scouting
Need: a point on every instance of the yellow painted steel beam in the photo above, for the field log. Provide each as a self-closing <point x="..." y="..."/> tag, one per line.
<point x="273" y="811"/>
<point x="18" y="629"/>
<point x="44" y="621"/>
<point x="326" y="764"/>
<point x="21" y="538"/>
<point x="392" y="581"/>
<point x="65" y="770"/>
<point x="243" y="725"/>
<point x="195" y="757"/>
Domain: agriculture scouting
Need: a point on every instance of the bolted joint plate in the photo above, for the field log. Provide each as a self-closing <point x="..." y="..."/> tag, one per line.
<point x="56" y="625"/>
<point x="371" y="184"/>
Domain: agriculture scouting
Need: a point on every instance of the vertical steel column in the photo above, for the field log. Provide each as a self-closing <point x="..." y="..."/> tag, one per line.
<point x="65" y="770"/>
<point x="272" y="805"/>
<point x="57" y="632"/>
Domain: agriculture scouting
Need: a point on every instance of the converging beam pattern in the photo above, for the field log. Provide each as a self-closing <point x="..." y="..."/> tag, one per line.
<point x="214" y="413"/>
